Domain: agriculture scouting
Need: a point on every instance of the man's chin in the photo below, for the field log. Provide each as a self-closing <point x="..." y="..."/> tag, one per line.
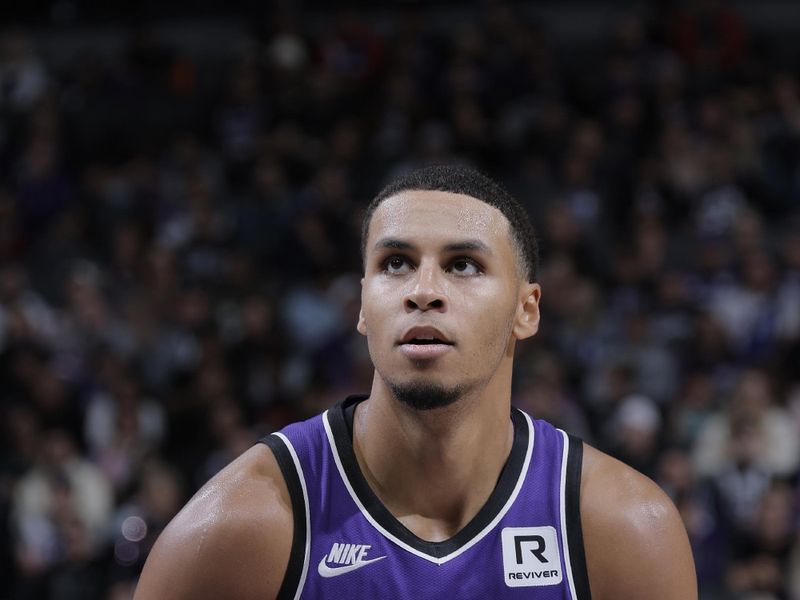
<point x="426" y="395"/>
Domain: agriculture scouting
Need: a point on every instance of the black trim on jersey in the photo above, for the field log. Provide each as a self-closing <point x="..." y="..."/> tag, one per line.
<point x="297" y="555"/>
<point x="572" y="510"/>
<point x="342" y="436"/>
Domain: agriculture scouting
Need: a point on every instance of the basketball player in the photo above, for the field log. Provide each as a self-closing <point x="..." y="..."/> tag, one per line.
<point x="432" y="486"/>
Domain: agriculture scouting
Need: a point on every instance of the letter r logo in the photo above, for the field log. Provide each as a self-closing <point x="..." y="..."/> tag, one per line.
<point x="531" y="556"/>
<point x="538" y="552"/>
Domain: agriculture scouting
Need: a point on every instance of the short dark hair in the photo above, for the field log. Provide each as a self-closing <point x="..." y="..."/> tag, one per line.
<point x="459" y="179"/>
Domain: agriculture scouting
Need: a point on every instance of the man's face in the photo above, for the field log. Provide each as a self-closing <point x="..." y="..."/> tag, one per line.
<point x="442" y="296"/>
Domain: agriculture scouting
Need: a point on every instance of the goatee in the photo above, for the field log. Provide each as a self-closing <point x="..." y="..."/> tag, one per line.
<point x="425" y="396"/>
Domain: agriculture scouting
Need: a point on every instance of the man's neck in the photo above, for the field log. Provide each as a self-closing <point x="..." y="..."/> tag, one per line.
<point x="434" y="469"/>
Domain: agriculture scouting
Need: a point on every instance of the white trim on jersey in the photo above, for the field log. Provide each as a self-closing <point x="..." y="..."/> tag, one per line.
<point x="301" y="584"/>
<point x="441" y="560"/>
<point x="563" y="503"/>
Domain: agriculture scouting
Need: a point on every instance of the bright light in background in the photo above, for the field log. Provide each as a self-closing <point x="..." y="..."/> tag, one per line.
<point x="134" y="529"/>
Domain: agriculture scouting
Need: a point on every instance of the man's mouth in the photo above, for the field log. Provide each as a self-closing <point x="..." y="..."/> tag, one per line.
<point x="427" y="341"/>
<point x="421" y="343"/>
<point x="425" y="336"/>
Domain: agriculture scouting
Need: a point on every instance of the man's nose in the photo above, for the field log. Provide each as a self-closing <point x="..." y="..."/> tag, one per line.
<point x="428" y="292"/>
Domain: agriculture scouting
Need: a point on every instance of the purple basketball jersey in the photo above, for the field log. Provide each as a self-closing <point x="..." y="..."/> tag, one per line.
<point x="525" y="542"/>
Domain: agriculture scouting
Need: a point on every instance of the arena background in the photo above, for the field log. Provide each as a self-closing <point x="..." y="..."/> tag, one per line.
<point x="181" y="188"/>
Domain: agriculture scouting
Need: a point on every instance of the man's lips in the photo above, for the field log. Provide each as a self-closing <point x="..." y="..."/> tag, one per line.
<point x="425" y="335"/>
<point x="425" y="342"/>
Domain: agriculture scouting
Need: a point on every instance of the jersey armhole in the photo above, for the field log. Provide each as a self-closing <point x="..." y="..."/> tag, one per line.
<point x="572" y="508"/>
<point x="294" y="570"/>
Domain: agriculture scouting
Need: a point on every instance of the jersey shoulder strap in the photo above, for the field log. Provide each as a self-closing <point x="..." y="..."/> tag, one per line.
<point x="572" y="514"/>
<point x="291" y="469"/>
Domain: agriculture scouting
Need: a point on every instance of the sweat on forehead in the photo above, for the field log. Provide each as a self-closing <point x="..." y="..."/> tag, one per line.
<point x="458" y="179"/>
<point x="465" y="214"/>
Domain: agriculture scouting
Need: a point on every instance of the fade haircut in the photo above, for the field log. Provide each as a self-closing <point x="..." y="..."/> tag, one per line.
<point x="458" y="179"/>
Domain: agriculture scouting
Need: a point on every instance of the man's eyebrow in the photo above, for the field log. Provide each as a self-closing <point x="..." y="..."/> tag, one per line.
<point x="468" y="246"/>
<point x="393" y="243"/>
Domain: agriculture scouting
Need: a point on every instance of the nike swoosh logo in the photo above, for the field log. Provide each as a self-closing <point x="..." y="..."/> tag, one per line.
<point x="327" y="571"/>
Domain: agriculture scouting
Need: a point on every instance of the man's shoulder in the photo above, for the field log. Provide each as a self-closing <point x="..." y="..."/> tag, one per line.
<point x="635" y="541"/>
<point x="233" y="538"/>
<point x="611" y="488"/>
<point x="250" y="492"/>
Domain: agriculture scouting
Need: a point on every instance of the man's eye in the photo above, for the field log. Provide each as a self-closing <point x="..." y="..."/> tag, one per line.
<point x="464" y="266"/>
<point x="396" y="264"/>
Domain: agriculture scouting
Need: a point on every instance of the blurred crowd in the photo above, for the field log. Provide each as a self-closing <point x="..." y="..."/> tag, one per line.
<point x="179" y="262"/>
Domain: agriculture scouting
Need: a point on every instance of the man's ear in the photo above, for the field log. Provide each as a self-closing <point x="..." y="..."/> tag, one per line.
<point x="361" y="325"/>
<point x="526" y="322"/>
